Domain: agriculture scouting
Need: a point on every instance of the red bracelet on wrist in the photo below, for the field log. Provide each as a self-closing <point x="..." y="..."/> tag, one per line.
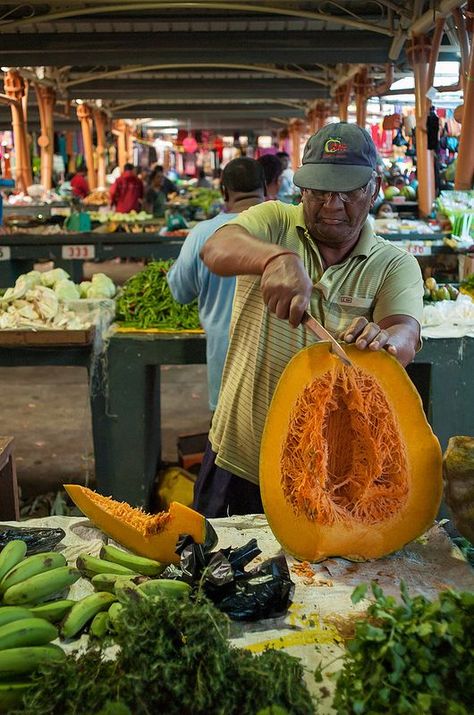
<point x="276" y="255"/>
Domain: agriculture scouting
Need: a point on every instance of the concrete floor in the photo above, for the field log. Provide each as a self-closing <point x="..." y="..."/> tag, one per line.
<point x="47" y="411"/>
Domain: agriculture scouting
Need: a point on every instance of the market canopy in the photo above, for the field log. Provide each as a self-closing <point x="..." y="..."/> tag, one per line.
<point x="221" y="65"/>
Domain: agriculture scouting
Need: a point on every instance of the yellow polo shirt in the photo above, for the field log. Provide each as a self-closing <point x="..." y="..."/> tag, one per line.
<point x="375" y="281"/>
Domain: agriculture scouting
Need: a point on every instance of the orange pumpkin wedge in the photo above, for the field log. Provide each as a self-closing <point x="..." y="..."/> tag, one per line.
<point x="349" y="465"/>
<point x="151" y="535"/>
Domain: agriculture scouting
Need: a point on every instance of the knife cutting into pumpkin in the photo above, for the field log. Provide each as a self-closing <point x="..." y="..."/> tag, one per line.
<point x="321" y="333"/>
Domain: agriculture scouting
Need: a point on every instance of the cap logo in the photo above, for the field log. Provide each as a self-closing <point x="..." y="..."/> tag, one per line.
<point x="334" y="145"/>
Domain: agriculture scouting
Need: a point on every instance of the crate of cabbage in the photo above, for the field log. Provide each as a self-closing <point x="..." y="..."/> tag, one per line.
<point x="146" y="303"/>
<point x="48" y="308"/>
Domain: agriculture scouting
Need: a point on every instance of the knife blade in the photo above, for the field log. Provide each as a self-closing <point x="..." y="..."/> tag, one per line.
<point x="321" y="333"/>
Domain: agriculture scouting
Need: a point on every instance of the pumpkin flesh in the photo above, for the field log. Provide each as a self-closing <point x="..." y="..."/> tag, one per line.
<point x="349" y="465"/>
<point x="152" y="535"/>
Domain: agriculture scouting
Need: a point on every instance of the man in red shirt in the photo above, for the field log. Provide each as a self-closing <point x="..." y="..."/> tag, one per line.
<point x="127" y="193"/>
<point x="79" y="183"/>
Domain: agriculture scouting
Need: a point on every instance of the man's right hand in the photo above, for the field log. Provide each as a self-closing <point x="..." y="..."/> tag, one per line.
<point x="286" y="288"/>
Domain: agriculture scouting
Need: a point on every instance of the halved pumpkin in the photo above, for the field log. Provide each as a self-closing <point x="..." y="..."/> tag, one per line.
<point x="151" y="535"/>
<point x="349" y="465"/>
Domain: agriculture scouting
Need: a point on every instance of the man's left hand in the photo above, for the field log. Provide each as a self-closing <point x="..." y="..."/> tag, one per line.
<point x="367" y="335"/>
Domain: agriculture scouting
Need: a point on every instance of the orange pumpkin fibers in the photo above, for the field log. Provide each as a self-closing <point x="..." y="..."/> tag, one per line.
<point x="146" y="524"/>
<point x="343" y="458"/>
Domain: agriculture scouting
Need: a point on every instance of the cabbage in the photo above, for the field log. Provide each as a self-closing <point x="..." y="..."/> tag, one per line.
<point x="66" y="290"/>
<point x="50" y="278"/>
<point x="83" y="288"/>
<point x="96" y="292"/>
<point x="104" y="284"/>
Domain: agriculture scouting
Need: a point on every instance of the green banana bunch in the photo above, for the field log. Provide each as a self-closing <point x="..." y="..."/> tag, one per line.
<point x="11" y="695"/>
<point x="138" y="564"/>
<point x="107" y="581"/>
<point x="18" y="661"/>
<point x="27" y="632"/>
<point x="84" y="611"/>
<point x="8" y="614"/>
<point x="90" y="566"/>
<point x="54" y="611"/>
<point x="11" y="555"/>
<point x="127" y="591"/>
<point x="164" y="587"/>
<point x="33" y="565"/>
<point x="99" y="625"/>
<point x="37" y="588"/>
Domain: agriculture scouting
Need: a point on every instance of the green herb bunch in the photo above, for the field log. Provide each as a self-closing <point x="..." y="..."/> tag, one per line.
<point x="174" y="657"/>
<point x="411" y="657"/>
<point x="146" y="302"/>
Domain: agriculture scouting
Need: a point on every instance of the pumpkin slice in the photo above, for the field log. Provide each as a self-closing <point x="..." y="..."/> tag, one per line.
<point x="151" y="535"/>
<point x="349" y="465"/>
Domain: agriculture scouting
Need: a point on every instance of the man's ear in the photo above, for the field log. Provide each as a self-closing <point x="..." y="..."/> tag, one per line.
<point x="375" y="192"/>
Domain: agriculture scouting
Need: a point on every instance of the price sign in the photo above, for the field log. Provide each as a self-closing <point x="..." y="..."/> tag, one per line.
<point x="5" y="253"/>
<point x="78" y="253"/>
<point x="418" y="248"/>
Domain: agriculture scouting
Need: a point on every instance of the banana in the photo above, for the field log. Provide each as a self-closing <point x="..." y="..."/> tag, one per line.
<point x="107" y="581"/>
<point x="138" y="564"/>
<point x="90" y="566"/>
<point x="27" y="631"/>
<point x="127" y="591"/>
<point x="33" y="565"/>
<point x="11" y="695"/>
<point x="165" y="587"/>
<point x="41" y="586"/>
<point x="11" y="555"/>
<point x="54" y="611"/>
<point x="17" y="661"/>
<point x="8" y="614"/>
<point x="114" y="613"/>
<point x="84" y="610"/>
<point x="99" y="625"/>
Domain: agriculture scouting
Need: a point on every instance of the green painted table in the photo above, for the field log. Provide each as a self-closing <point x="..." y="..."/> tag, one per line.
<point x="127" y="417"/>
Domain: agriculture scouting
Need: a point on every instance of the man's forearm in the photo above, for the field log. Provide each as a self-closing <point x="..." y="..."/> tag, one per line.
<point x="233" y="251"/>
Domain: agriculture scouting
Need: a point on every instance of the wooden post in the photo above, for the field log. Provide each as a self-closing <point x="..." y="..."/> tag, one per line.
<point x="343" y="95"/>
<point x="295" y="127"/>
<point x="84" y="115"/>
<point x="361" y="91"/>
<point x="119" y="131"/>
<point x="101" y="121"/>
<point x="129" y="134"/>
<point x="418" y="53"/>
<point x="15" y="90"/>
<point x="465" y="161"/>
<point x="46" y="97"/>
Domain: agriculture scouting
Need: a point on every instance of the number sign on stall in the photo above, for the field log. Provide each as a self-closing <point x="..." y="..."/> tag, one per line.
<point x="78" y="253"/>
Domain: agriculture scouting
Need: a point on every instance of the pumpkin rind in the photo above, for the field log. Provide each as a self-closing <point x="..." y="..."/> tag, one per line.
<point x="152" y="535"/>
<point x="315" y="535"/>
<point x="458" y="473"/>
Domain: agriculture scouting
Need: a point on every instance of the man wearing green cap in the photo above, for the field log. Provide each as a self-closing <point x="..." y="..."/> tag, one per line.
<point x="321" y="255"/>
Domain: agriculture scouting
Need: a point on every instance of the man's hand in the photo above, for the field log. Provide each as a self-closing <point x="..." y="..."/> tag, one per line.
<point x="286" y="288"/>
<point x="367" y="335"/>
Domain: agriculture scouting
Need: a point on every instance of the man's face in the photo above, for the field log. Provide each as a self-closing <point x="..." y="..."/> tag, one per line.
<point x="334" y="221"/>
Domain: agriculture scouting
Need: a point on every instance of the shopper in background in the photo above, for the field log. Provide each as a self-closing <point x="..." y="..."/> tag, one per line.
<point x="287" y="188"/>
<point x="272" y="168"/>
<point x="167" y="185"/>
<point x="155" y="196"/>
<point x="321" y="256"/>
<point x="126" y="193"/>
<point x="203" y="182"/>
<point x="79" y="183"/>
<point x="242" y="186"/>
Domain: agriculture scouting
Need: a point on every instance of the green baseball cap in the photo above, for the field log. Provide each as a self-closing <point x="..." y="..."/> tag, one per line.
<point x="340" y="157"/>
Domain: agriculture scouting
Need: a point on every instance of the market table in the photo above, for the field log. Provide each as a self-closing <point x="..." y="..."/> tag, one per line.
<point x="127" y="415"/>
<point x="20" y="251"/>
<point x="321" y="612"/>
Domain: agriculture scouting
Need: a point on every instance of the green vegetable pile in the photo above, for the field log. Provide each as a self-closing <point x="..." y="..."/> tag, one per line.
<point x="411" y="657"/>
<point x="146" y="302"/>
<point x="174" y="658"/>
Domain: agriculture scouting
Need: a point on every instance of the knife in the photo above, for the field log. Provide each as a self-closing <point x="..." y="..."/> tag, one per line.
<point x="321" y="333"/>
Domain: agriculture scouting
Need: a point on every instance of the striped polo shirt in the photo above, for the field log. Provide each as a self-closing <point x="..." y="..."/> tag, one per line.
<point x="375" y="281"/>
